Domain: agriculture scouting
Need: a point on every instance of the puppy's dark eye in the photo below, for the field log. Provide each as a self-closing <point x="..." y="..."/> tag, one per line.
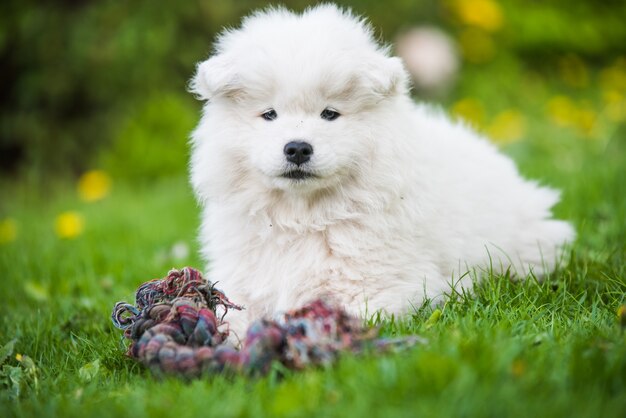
<point x="269" y="115"/>
<point x="329" y="114"/>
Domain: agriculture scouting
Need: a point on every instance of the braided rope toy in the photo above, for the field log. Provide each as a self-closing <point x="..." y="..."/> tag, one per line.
<point x="174" y="328"/>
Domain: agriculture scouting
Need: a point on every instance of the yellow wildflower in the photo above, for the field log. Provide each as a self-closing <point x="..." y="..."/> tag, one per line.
<point x="561" y="110"/>
<point x="484" y="14"/>
<point x="471" y="110"/>
<point x="586" y="121"/>
<point x="612" y="96"/>
<point x="565" y="112"/>
<point x="614" y="77"/>
<point x="621" y="315"/>
<point x="94" y="185"/>
<point x="8" y="230"/>
<point x="69" y="225"/>
<point x="615" y="105"/>
<point x="476" y="45"/>
<point x="508" y="126"/>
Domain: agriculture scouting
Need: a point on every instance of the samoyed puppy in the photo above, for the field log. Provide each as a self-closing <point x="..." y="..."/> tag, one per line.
<point x="318" y="175"/>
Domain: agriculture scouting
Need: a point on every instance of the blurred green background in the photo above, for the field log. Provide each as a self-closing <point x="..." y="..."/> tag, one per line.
<point x="102" y="84"/>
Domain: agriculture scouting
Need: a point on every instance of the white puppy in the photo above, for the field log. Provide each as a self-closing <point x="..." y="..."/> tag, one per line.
<point x="319" y="176"/>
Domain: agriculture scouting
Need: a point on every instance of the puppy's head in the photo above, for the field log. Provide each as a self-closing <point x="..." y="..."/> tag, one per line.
<point x="294" y="100"/>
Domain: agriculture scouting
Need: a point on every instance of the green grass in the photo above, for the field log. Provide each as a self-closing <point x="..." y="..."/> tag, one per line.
<point x="510" y="349"/>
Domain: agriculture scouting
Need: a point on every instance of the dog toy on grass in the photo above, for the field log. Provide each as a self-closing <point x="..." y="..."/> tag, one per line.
<point x="174" y="328"/>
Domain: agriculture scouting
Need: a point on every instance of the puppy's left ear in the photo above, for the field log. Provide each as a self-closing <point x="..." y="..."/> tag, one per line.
<point x="387" y="77"/>
<point x="214" y="77"/>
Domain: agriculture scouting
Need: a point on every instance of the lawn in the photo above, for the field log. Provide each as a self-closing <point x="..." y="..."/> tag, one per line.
<point x="519" y="349"/>
<point x="555" y="348"/>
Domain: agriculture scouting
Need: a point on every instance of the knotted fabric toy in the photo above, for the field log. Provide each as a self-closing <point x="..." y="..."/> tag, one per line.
<point x="175" y="328"/>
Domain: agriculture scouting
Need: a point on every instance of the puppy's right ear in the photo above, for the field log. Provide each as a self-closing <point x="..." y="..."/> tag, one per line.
<point x="214" y="77"/>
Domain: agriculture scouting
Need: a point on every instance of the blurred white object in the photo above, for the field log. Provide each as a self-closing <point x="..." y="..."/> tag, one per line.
<point x="180" y="250"/>
<point x="430" y="56"/>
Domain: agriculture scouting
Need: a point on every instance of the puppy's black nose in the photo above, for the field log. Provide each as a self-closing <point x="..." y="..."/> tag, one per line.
<point x="298" y="152"/>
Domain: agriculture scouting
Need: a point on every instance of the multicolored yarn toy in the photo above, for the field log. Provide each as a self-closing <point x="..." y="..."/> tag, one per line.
<point x="175" y="328"/>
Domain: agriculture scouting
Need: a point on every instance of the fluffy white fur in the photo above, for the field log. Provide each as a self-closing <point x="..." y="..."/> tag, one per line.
<point x="405" y="201"/>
